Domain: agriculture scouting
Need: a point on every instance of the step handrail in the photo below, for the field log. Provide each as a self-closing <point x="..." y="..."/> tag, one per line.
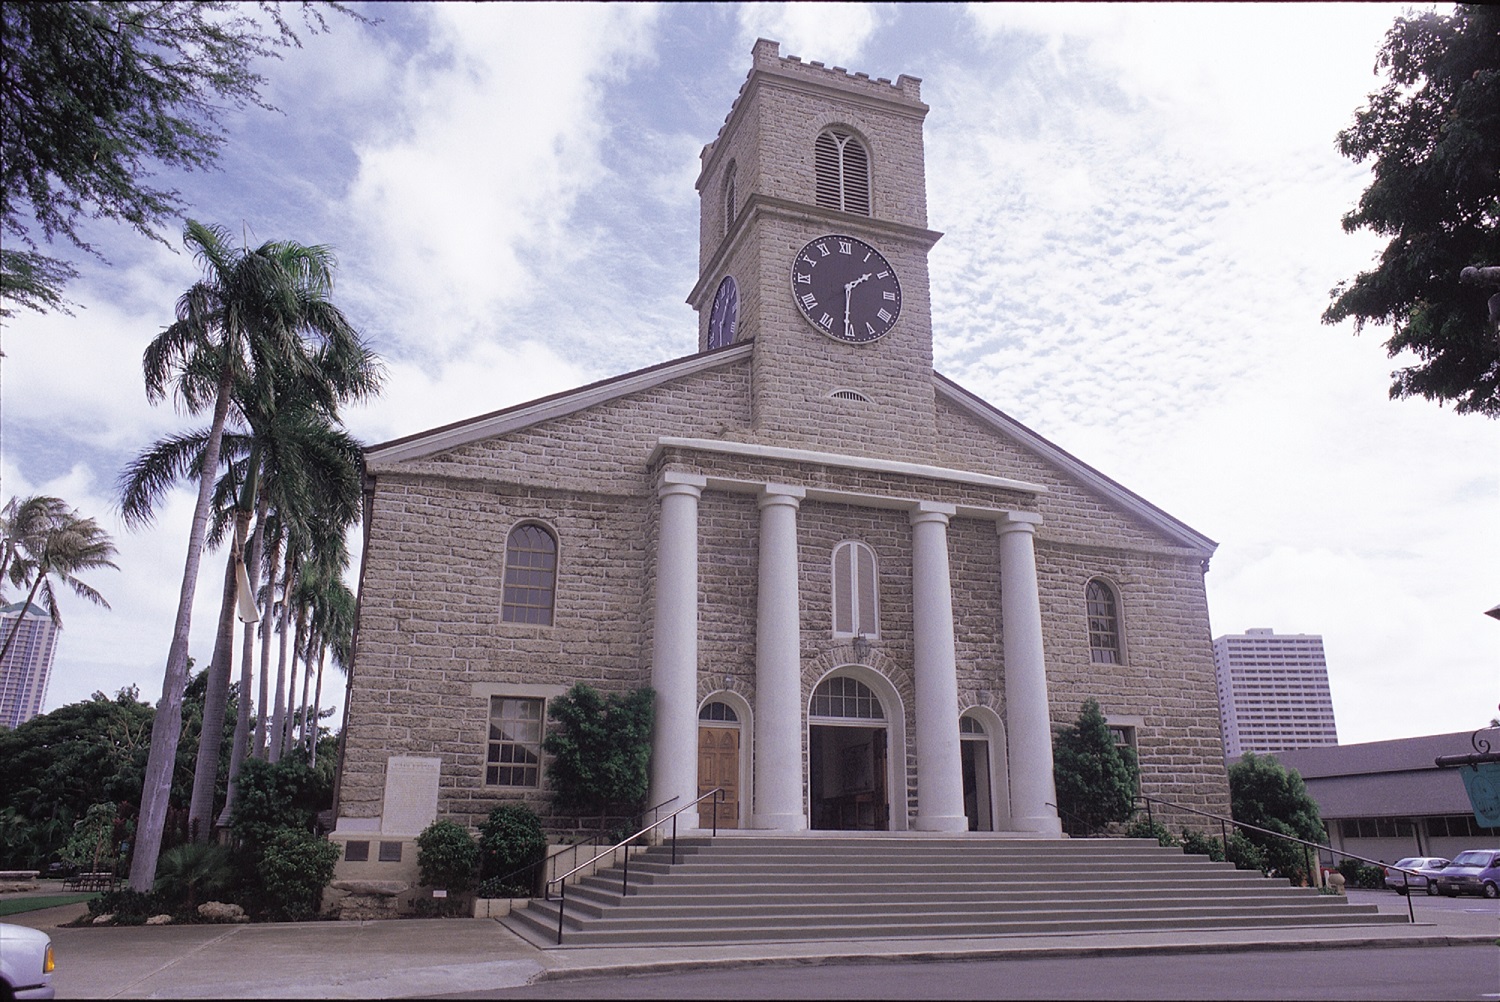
<point x="574" y="848"/>
<point x="562" y="882"/>
<point x="1223" y="831"/>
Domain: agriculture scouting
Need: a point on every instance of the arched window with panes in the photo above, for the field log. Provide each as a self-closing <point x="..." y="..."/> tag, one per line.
<point x="841" y="167"/>
<point x="1104" y="623"/>
<point x="856" y="591"/>
<point x="530" y="575"/>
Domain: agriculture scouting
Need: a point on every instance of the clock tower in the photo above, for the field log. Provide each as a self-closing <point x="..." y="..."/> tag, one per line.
<point x="814" y="246"/>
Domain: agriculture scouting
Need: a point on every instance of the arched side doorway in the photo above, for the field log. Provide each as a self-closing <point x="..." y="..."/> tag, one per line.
<point x="856" y="752"/>
<point x="985" y="780"/>
<point x="723" y="725"/>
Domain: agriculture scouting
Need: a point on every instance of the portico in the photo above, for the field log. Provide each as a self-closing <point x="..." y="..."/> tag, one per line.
<point x="777" y="741"/>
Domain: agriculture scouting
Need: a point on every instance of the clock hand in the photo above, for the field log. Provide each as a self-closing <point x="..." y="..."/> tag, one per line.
<point x="848" y="291"/>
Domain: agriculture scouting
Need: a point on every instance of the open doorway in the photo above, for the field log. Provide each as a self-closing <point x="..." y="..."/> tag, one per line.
<point x="848" y="754"/>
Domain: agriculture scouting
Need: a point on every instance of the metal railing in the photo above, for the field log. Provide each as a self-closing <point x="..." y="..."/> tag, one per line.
<point x="544" y="865"/>
<point x="1307" y="847"/>
<point x="562" y="881"/>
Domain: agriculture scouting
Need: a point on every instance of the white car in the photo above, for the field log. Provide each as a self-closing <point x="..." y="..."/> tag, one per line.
<point x="25" y="963"/>
<point x="1424" y="878"/>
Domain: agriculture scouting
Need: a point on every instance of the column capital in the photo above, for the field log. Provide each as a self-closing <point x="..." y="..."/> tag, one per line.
<point x="1018" y="521"/>
<point x="780" y="494"/>
<point x="676" y="482"/>
<point x="932" y="511"/>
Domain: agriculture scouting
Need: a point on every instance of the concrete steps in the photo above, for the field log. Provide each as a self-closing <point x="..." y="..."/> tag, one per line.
<point x="747" y="889"/>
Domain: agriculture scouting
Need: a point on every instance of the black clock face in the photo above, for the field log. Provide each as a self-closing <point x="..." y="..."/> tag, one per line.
<point x="846" y="289"/>
<point x="723" y="320"/>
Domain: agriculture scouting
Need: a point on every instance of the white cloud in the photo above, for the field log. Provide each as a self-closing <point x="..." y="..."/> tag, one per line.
<point x="826" y="32"/>
<point x="491" y="138"/>
<point x="484" y="377"/>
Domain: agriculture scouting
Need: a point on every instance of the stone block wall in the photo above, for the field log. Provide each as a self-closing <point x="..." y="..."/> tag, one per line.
<point x="431" y="639"/>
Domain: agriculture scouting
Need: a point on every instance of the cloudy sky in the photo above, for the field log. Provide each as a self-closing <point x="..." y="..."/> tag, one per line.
<point x="1141" y="213"/>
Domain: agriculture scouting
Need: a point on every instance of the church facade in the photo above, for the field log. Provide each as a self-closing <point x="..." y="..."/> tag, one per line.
<point x="864" y="596"/>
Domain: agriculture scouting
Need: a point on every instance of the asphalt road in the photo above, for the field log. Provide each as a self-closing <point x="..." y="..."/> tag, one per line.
<point x="1452" y="973"/>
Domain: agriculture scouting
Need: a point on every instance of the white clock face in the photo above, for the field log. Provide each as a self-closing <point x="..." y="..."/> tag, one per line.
<point x="723" y="320"/>
<point x="846" y="289"/>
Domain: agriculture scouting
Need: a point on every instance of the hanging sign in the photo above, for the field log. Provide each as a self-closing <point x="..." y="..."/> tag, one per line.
<point x="1482" y="781"/>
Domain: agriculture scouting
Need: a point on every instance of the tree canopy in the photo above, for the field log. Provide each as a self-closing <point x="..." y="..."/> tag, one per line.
<point x="1432" y="136"/>
<point x="94" y="95"/>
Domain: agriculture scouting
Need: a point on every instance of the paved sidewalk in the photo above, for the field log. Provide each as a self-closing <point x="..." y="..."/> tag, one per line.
<point x="414" y="957"/>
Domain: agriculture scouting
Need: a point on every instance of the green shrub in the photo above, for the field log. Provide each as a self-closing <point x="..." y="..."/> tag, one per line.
<point x="1245" y="854"/>
<point x="600" y="748"/>
<point x="271" y="796"/>
<point x="1265" y="793"/>
<point x="1357" y="874"/>
<point x="510" y="839"/>
<point x="447" y="856"/>
<point x="1095" y="778"/>
<point x="1195" y="843"/>
<point x="294" y="868"/>
<point x="1141" y="828"/>
<point x="127" y="906"/>
<point x="192" y="873"/>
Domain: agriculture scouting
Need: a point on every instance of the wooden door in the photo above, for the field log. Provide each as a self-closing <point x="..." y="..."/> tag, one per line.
<point x="719" y="766"/>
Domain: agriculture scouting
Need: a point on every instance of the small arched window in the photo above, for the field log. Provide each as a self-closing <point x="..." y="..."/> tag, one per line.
<point x="856" y="591"/>
<point x="841" y="169"/>
<point x="530" y="575"/>
<point x="718" y="711"/>
<point x="1104" y="623"/>
<point x="731" y="203"/>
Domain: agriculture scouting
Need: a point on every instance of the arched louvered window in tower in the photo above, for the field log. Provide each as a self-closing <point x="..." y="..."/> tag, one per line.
<point x="730" y="201"/>
<point x="530" y="575"/>
<point x="842" y="172"/>
<point x="1104" y="623"/>
<point x="856" y="591"/>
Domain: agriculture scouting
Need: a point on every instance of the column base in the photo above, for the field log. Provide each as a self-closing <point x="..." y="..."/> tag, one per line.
<point x="1047" y="826"/>
<point x="779" y="822"/>
<point x="941" y="823"/>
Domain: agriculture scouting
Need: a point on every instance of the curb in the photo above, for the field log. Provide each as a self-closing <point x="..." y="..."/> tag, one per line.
<point x="1001" y="953"/>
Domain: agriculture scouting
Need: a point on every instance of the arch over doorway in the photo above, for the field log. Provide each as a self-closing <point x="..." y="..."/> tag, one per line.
<point x="856" y="741"/>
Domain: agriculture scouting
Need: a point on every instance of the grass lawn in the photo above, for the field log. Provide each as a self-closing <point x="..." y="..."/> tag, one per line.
<point x="14" y="906"/>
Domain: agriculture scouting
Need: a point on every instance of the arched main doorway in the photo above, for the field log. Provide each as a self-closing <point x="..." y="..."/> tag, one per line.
<point x="848" y="757"/>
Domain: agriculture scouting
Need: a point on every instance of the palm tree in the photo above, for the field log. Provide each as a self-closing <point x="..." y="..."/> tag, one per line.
<point x="333" y="629"/>
<point x="249" y="319"/>
<point x="24" y="522"/>
<point x="46" y="539"/>
<point x="295" y="454"/>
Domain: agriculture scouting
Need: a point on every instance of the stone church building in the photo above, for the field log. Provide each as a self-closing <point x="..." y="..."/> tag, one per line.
<point x="864" y="596"/>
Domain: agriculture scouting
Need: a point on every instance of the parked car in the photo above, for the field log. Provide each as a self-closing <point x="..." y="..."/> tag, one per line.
<point x="25" y="963"/>
<point x="1473" y="871"/>
<point x="1426" y="868"/>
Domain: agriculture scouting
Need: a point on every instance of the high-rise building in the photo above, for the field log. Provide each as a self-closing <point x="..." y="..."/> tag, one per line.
<point x="1273" y="692"/>
<point x="27" y="665"/>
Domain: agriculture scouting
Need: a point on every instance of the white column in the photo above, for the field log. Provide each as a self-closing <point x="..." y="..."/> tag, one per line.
<point x="778" y="667"/>
<point x="1027" y="719"/>
<point x="674" y="664"/>
<point x="940" y="790"/>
